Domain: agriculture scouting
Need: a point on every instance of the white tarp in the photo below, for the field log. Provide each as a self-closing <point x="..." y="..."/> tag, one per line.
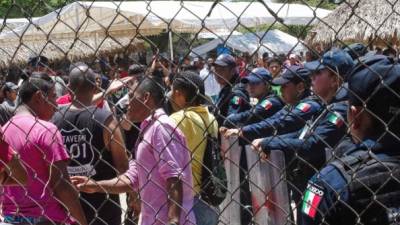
<point x="11" y="23"/>
<point x="124" y="18"/>
<point x="82" y="28"/>
<point x="216" y="34"/>
<point x="82" y="20"/>
<point x="192" y="16"/>
<point x="274" y="41"/>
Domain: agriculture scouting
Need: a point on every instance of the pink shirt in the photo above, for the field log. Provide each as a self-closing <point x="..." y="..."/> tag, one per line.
<point x="6" y="152"/>
<point x="160" y="155"/>
<point x="39" y="144"/>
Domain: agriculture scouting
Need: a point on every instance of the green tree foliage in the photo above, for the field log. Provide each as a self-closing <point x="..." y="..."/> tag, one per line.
<point x="29" y="8"/>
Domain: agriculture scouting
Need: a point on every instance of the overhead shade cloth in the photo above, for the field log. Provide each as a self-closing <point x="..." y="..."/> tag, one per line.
<point x="83" y="27"/>
<point x="192" y="16"/>
<point x="274" y="41"/>
<point x="146" y="18"/>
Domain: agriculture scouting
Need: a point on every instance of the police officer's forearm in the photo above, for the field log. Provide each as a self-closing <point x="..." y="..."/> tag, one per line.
<point x="258" y="130"/>
<point x="239" y="119"/>
<point x="232" y="121"/>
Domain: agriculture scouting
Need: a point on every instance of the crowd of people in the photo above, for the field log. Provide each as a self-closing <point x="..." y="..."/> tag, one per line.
<point x="72" y="144"/>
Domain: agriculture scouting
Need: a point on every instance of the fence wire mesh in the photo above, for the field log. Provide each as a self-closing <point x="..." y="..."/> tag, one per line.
<point x="199" y="112"/>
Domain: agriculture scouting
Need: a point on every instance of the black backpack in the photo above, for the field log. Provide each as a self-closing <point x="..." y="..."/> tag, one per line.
<point x="374" y="188"/>
<point x="213" y="180"/>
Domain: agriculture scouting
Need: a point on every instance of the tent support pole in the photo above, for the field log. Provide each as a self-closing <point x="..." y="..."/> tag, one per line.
<point x="171" y="47"/>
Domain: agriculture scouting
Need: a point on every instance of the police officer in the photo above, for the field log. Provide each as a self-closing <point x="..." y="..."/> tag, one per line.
<point x="233" y="97"/>
<point x="308" y="146"/>
<point x="363" y="186"/>
<point x="301" y="107"/>
<point x="356" y="50"/>
<point x="268" y="103"/>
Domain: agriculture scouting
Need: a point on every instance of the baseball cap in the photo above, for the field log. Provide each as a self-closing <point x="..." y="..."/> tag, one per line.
<point x="8" y="86"/>
<point x="40" y="60"/>
<point x="293" y="74"/>
<point x="356" y="50"/>
<point x="225" y="60"/>
<point x="257" y="75"/>
<point x="375" y="82"/>
<point x="335" y="59"/>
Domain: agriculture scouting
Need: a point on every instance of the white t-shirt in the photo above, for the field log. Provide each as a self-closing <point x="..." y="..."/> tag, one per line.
<point x="211" y="86"/>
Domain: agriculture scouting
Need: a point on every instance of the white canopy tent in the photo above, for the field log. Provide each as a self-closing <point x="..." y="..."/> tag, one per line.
<point x="274" y="41"/>
<point x="193" y="16"/>
<point x="12" y="23"/>
<point x="86" y="18"/>
<point x="216" y="34"/>
<point x="85" y="27"/>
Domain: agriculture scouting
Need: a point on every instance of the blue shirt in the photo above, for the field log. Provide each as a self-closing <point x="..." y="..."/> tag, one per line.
<point x="321" y="134"/>
<point x="265" y="108"/>
<point x="331" y="190"/>
<point x="287" y="120"/>
<point x="231" y="100"/>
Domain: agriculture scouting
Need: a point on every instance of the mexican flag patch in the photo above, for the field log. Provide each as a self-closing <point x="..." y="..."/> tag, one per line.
<point x="304" y="107"/>
<point x="335" y="119"/>
<point x="311" y="200"/>
<point x="266" y="104"/>
<point x="236" y="100"/>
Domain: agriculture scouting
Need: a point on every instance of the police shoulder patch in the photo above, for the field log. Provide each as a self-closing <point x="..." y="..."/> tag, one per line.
<point x="266" y="104"/>
<point x="312" y="199"/>
<point x="336" y="119"/>
<point x="236" y="100"/>
<point x="304" y="107"/>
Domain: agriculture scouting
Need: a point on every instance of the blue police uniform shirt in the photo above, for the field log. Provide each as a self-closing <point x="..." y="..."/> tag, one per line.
<point x="310" y="143"/>
<point x="327" y="191"/>
<point x="288" y="119"/>
<point x="265" y="108"/>
<point x="231" y="100"/>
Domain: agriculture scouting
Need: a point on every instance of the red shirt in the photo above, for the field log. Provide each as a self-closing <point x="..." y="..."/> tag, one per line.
<point x="66" y="99"/>
<point x="123" y="74"/>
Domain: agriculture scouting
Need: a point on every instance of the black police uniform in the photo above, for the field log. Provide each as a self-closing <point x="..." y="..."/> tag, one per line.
<point x="362" y="187"/>
<point x="325" y="131"/>
<point x="305" y="150"/>
<point x="288" y="119"/>
<point x="265" y="108"/>
<point x="344" y="191"/>
<point x="232" y="99"/>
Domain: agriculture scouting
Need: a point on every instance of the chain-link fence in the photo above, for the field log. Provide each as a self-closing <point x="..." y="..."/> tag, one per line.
<point x="200" y="112"/>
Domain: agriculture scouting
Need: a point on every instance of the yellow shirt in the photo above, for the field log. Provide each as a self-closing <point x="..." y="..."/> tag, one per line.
<point x="192" y="126"/>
